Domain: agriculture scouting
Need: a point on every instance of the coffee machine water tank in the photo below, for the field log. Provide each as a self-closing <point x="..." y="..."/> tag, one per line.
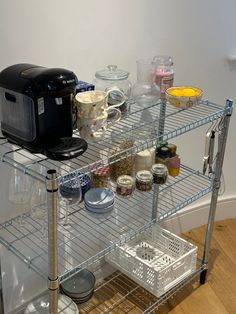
<point x="36" y="110"/>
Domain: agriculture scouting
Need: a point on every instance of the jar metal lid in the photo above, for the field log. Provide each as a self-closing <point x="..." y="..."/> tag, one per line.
<point x="159" y="169"/>
<point x="144" y="176"/>
<point x="125" y="181"/>
<point x="112" y="73"/>
<point x="164" y="151"/>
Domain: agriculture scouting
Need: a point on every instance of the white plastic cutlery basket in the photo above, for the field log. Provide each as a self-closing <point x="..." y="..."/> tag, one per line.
<point x="156" y="259"/>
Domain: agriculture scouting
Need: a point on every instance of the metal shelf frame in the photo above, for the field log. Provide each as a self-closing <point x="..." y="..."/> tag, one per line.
<point x="79" y="248"/>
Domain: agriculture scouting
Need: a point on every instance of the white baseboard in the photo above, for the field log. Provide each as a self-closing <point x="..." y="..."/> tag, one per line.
<point x="197" y="216"/>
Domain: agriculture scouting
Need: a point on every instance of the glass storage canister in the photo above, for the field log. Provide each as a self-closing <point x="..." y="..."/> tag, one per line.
<point x="145" y="91"/>
<point x="164" y="73"/>
<point x="113" y="77"/>
<point x="121" y="156"/>
<point x="160" y="173"/>
<point x="125" y="186"/>
<point x="145" y="159"/>
<point x="144" y="179"/>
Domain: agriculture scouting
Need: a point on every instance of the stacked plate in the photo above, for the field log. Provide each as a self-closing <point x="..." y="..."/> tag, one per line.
<point x="99" y="200"/>
<point x="80" y="287"/>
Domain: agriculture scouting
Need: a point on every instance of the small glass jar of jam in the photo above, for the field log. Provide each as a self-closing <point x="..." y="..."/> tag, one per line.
<point x="100" y="176"/>
<point x="144" y="180"/>
<point x="125" y="186"/>
<point x="160" y="173"/>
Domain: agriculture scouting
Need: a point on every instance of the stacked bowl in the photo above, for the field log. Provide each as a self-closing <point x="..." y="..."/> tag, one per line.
<point x="80" y="287"/>
<point x="99" y="201"/>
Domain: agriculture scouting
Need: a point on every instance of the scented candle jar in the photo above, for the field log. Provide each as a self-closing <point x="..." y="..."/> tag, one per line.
<point x="164" y="73"/>
<point x="144" y="180"/>
<point x="125" y="186"/>
<point x="160" y="173"/>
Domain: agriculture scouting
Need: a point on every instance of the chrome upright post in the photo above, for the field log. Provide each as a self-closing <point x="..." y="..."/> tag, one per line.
<point x="160" y="134"/>
<point x="53" y="282"/>
<point x="222" y="138"/>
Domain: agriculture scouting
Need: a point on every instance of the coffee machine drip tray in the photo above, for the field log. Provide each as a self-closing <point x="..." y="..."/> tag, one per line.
<point x="66" y="148"/>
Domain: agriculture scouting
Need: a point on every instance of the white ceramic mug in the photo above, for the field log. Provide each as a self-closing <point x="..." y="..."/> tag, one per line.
<point x="94" y="129"/>
<point x="93" y="104"/>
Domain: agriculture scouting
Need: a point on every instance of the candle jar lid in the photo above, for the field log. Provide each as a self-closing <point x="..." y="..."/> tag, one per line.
<point x="144" y="176"/>
<point x="125" y="181"/>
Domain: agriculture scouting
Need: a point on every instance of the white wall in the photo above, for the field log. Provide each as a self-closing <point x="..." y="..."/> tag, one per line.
<point x="85" y="36"/>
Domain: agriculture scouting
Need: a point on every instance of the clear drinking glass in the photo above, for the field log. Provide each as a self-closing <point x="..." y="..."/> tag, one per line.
<point x="19" y="192"/>
<point x="70" y="193"/>
<point x="39" y="205"/>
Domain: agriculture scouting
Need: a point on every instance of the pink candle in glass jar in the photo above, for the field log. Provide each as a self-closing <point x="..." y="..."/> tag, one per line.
<point x="164" y="73"/>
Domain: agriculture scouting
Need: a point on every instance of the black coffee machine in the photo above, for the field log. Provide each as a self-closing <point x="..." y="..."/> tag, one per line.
<point x="36" y="110"/>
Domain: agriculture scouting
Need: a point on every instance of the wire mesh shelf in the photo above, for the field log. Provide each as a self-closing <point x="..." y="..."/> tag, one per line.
<point x="120" y="294"/>
<point x="86" y="242"/>
<point x="144" y="124"/>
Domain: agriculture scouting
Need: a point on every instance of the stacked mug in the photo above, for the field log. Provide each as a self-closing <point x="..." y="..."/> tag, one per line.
<point x="93" y="111"/>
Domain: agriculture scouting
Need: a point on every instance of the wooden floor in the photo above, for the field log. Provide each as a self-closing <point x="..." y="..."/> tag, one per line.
<point x="216" y="296"/>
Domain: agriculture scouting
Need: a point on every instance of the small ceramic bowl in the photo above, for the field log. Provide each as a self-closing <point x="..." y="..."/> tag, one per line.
<point x="184" y="96"/>
<point x="99" y="197"/>
<point x="103" y="210"/>
<point x="85" y="182"/>
<point x="80" y="287"/>
<point x="99" y="216"/>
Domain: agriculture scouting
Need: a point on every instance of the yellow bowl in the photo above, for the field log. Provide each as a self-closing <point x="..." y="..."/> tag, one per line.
<point x="184" y="96"/>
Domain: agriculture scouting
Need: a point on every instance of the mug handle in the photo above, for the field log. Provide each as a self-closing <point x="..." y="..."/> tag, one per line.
<point x="116" y="118"/>
<point x="117" y="94"/>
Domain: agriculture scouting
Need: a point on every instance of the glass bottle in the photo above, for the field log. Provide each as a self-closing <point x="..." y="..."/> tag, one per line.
<point x="145" y="91"/>
<point x="164" y="77"/>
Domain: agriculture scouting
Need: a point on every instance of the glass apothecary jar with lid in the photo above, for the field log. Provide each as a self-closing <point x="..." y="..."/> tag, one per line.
<point x="114" y="78"/>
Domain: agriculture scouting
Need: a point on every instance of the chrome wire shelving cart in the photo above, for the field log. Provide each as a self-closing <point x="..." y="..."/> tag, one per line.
<point x="86" y="245"/>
